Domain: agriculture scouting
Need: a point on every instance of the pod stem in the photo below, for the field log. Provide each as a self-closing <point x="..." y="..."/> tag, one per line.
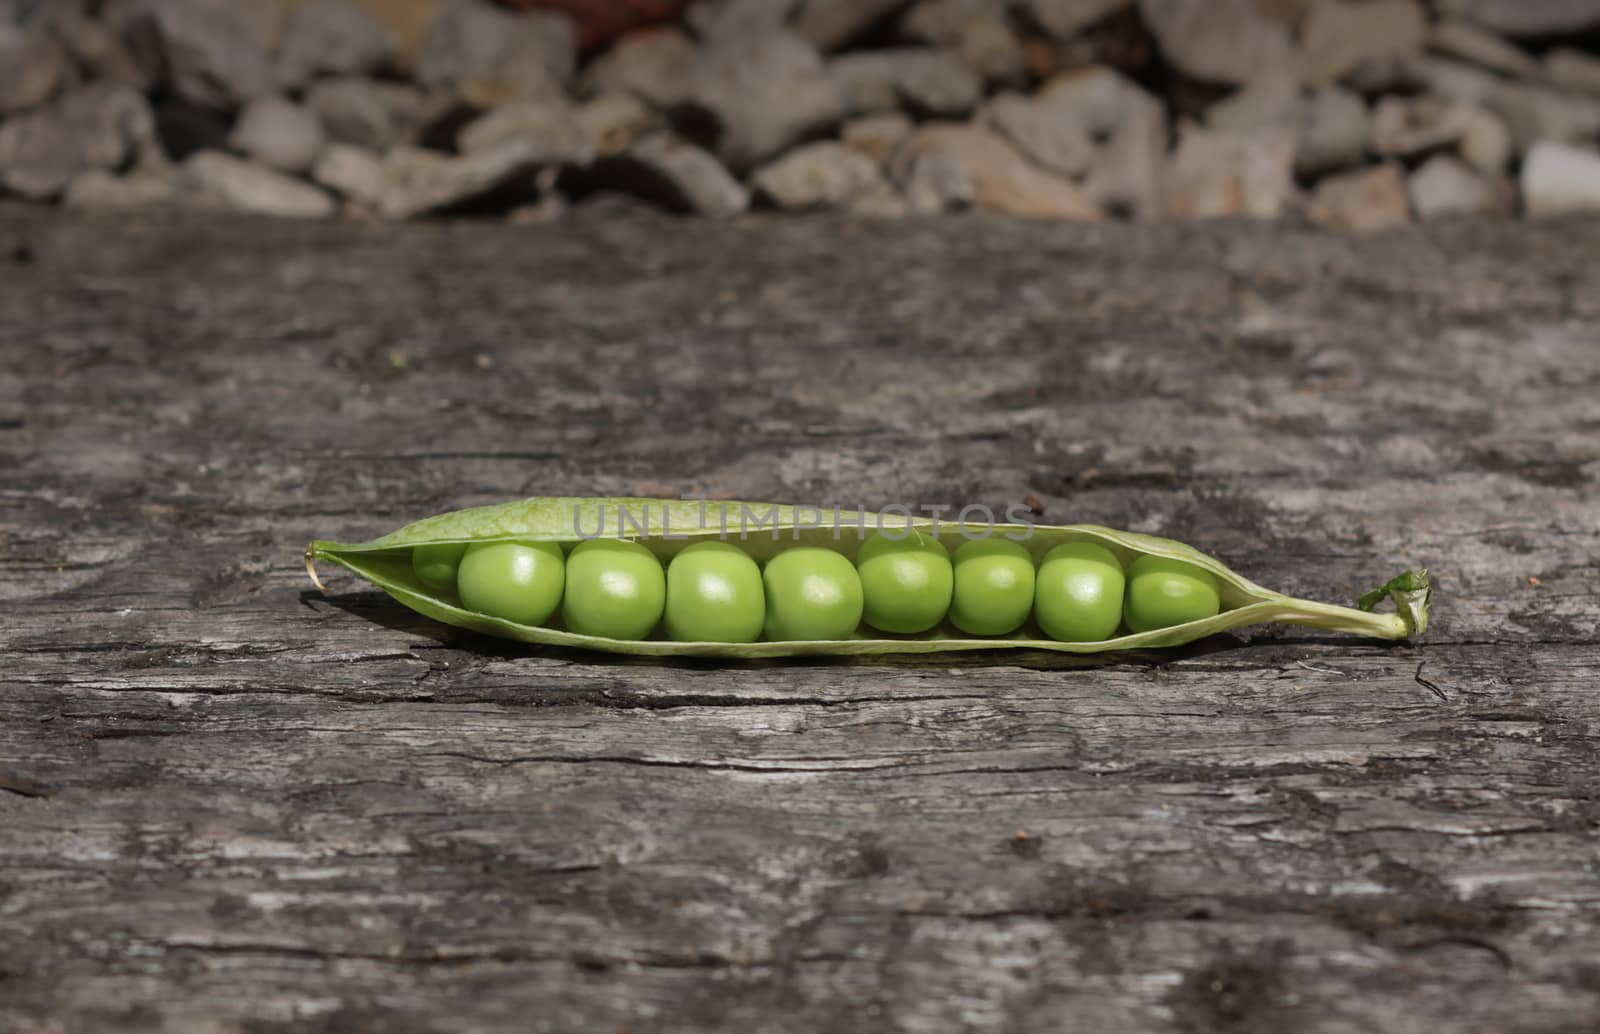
<point x="1411" y="592"/>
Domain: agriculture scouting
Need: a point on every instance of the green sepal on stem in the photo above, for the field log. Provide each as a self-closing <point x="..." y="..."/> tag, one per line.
<point x="1411" y="591"/>
<point x="765" y="529"/>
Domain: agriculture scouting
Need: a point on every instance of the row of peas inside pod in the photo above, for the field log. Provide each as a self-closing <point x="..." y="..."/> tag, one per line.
<point x="745" y="580"/>
<point x="905" y="582"/>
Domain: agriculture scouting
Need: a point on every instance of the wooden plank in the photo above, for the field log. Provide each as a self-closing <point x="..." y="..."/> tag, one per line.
<point x="229" y="804"/>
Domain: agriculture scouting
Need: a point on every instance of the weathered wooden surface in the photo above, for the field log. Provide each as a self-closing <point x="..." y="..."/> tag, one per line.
<point x="227" y="804"/>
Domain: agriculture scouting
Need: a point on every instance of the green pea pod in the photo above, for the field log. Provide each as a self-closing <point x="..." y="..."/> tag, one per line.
<point x="765" y="529"/>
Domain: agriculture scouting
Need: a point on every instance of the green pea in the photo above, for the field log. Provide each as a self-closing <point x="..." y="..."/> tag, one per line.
<point x="1163" y="593"/>
<point x="906" y="583"/>
<point x="1077" y="594"/>
<point x="811" y="594"/>
<point x="518" y="581"/>
<point x="615" y="589"/>
<point x="435" y="564"/>
<point x="994" y="587"/>
<point x="714" y="595"/>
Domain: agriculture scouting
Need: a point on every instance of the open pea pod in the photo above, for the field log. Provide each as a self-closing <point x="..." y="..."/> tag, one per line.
<point x="765" y="529"/>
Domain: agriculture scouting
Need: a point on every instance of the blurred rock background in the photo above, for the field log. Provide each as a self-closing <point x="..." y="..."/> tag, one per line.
<point x="1358" y="114"/>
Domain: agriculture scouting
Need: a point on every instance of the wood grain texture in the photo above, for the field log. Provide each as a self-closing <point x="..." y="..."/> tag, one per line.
<point x="229" y="804"/>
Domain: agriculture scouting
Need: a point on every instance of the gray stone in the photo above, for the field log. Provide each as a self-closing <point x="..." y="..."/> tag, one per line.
<point x="333" y="38"/>
<point x="1330" y="123"/>
<point x="1061" y="144"/>
<point x="32" y="68"/>
<point x="1333" y="132"/>
<point x="936" y="181"/>
<point x="1337" y="36"/>
<point x="829" y="25"/>
<point x="976" y="30"/>
<point x="1098" y="97"/>
<point x="279" y="134"/>
<point x="923" y="81"/>
<point x="678" y="174"/>
<point x="940" y="23"/>
<point x="1001" y="178"/>
<point x="94" y="47"/>
<point x="611" y="122"/>
<point x="206" y="53"/>
<point x="548" y="127"/>
<point x="487" y="55"/>
<point x="1289" y="13"/>
<point x="1535" y="113"/>
<point x="993" y="50"/>
<point x="99" y="126"/>
<point x="1467" y="42"/>
<point x="876" y="136"/>
<point x="1218" y="41"/>
<point x="1560" y="180"/>
<point x="1485" y="141"/>
<point x="1216" y="173"/>
<point x="262" y="19"/>
<point x="262" y="22"/>
<point x="98" y="189"/>
<point x="825" y="174"/>
<point x="354" y="173"/>
<point x="247" y="187"/>
<point x="367" y="113"/>
<point x="1271" y="101"/>
<point x="729" y="21"/>
<point x="1409" y="126"/>
<point x="1445" y="186"/>
<point x="1531" y="111"/>
<point x="1572" y="69"/>
<point x="761" y="95"/>
<point x="1125" y="181"/>
<point x="1526" y="17"/>
<point x="650" y="64"/>
<point x="1388" y="73"/>
<point x="1364" y="201"/>
<point x="1125" y="176"/>
<point x="1065" y="19"/>
<point x="419" y="182"/>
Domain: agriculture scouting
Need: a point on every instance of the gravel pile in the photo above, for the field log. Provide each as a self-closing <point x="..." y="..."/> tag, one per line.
<point x="1358" y="114"/>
